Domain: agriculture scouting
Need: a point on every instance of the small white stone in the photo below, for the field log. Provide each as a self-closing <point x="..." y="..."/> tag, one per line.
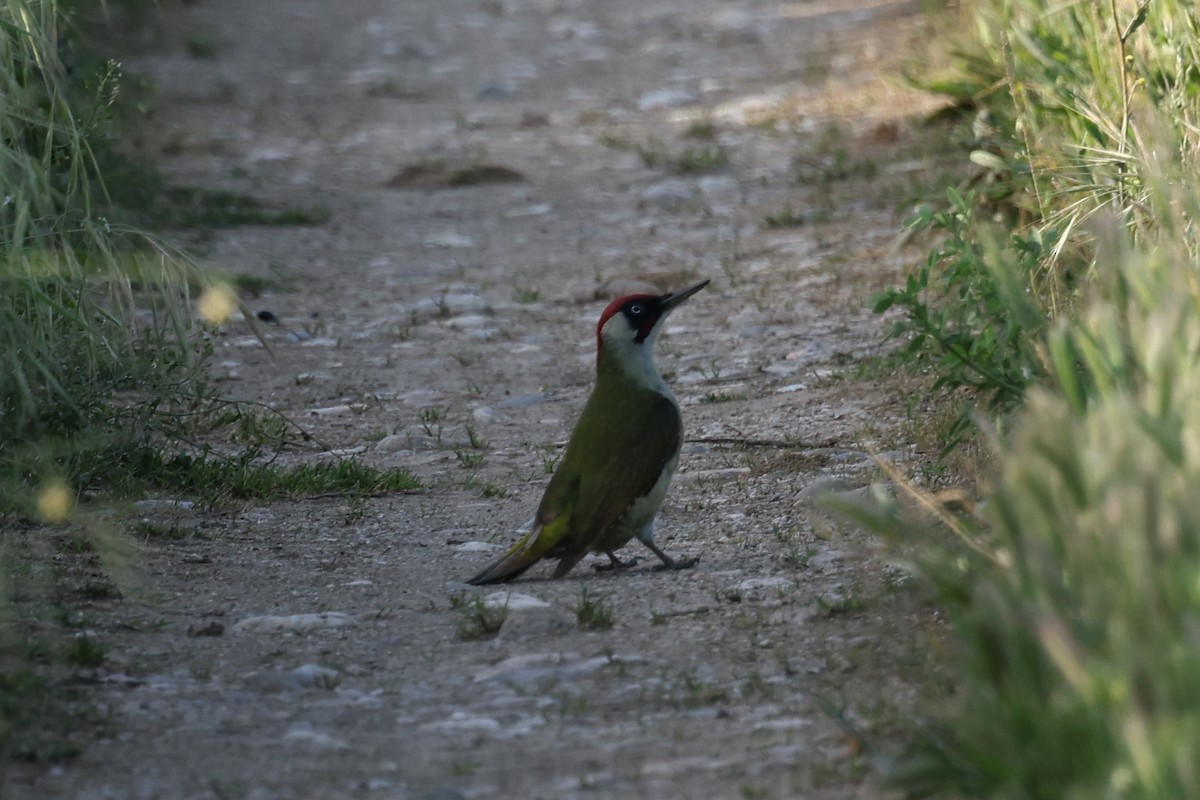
<point x="331" y="411"/>
<point x="477" y="547"/>
<point x="449" y="239"/>
<point x="512" y="600"/>
<point x="294" y="623"/>
<point x="665" y="98"/>
<point x="163" y="505"/>
<point x="394" y="443"/>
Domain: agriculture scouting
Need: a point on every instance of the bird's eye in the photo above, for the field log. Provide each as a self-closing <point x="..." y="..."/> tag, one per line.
<point x="635" y="309"/>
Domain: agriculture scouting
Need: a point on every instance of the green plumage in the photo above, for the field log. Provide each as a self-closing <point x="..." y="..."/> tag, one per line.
<point x="625" y="438"/>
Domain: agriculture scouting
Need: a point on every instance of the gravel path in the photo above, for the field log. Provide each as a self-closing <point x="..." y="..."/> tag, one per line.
<point x="494" y="171"/>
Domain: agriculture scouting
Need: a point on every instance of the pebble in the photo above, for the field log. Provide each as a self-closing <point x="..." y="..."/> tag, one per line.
<point x="825" y="486"/>
<point x="536" y="623"/>
<point x="331" y="411"/>
<point x="306" y="676"/>
<point x="477" y="547"/>
<point x="449" y="239"/>
<point x="394" y="443"/>
<point x="669" y="768"/>
<point x="488" y="414"/>
<point x="761" y="590"/>
<point x="294" y="623"/>
<point x="469" y="321"/>
<point x="513" y="601"/>
<point x="343" y="452"/>
<point x="665" y="98"/>
<point x="536" y="210"/>
<point x="713" y="474"/>
<point x="535" y="668"/>
<point x="164" y="505"/>
<point x="306" y="735"/>
<point x="462" y="721"/>
<point x="669" y="195"/>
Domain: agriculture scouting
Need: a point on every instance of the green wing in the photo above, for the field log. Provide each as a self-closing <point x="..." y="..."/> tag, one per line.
<point x="612" y="468"/>
<point x="601" y="474"/>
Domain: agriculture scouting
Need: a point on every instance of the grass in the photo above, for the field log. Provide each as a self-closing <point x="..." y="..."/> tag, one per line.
<point x="192" y="207"/>
<point x="592" y="613"/>
<point x="786" y="217"/>
<point x="217" y="479"/>
<point x="1063" y="294"/>
<point x="691" y="160"/>
<point x="477" y="619"/>
<point x="104" y="354"/>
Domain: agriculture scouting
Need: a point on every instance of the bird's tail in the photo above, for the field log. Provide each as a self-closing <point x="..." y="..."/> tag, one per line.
<point x="530" y="549"/>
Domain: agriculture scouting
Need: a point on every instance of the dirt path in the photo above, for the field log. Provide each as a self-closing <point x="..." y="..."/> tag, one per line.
<point x="448" y="330"/>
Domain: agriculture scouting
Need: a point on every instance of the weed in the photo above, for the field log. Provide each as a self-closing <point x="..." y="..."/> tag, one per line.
<point x="477" y="441"/>
<point x="85" y="652"/>
<point x="704" y="129"/>
<point x="239" y="477"/>
<point x="431" y="420"/>
<point x="695" y="160"/>
<point x="615" y="141"/>
<point x="491" y="489"/>
<point x="100" y="590"/>
<point x="795" y="553"/>
<point x="592" y="613"/>
<point x="689" y="161"/>
<point x="785" y="218"/>
<point x="476" y="619"/>
<point x="550" y="458"/>
<point x="356" y="509"/>
<point x="201" y="46"/>
<point x="254" y="285"/>
<point x="700" y="693"/>
<point x="969" y="309"/>
<point x="190" y="207"/>
<point x="470" y="459"/>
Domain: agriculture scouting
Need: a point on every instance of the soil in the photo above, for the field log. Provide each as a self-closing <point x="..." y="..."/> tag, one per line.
<point x="494" y="171"/>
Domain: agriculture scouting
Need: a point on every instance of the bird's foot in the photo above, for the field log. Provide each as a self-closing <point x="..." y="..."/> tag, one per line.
<point x="615" y="564"/>
<point x="672" y="564"/>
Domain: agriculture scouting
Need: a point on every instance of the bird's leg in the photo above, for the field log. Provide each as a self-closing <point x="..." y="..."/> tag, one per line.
<point x="615" y="563"/>
<point x="668" y="562"/>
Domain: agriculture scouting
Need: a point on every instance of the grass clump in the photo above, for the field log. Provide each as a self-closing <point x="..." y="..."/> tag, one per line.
<point x="1051" y="95"/>
<point x="477" y="618"/>
<point x="1076" y="595"/>
<point x="593" y="613"/>
<point x="1074" y="590"/>
<point x="244" y="476"/>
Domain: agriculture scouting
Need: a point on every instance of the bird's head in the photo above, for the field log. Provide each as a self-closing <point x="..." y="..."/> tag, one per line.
<point x="630" y="324"/>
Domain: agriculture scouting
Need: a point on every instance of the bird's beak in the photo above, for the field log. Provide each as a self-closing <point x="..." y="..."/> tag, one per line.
<point x="673" y="299"/>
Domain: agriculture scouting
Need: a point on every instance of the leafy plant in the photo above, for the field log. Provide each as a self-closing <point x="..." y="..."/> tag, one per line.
<point x="477" y="618"/>
<point x="972" y="309"/>
<point x="592" y="612"/>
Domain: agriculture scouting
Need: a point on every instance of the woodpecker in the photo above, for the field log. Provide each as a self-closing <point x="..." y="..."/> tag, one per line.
<point x="620" y="458"/>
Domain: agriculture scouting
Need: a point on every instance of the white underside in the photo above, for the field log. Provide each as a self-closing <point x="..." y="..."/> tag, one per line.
<point x="639" y="519"/>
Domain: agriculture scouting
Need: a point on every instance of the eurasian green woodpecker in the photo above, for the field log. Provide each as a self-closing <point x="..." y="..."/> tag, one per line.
<point x="620" y="458"/>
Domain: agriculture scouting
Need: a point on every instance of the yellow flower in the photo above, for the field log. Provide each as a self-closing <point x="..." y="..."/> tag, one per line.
<point x="216" y="304"/>
<point x="55" y="502"/>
